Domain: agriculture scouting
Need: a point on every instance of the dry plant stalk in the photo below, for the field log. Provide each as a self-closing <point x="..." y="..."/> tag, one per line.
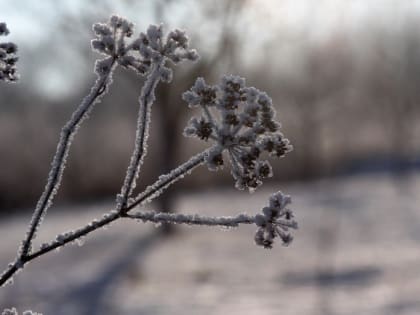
<point x="239" y="120"/>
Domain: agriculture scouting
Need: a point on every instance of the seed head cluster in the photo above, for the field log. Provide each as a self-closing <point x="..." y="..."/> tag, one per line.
<point x="8" y="58"/>
<point x="241" y="122"/>
<point x="140" y="54"/>
<point x="13" y="311"/>
<point x="276" y="220"/>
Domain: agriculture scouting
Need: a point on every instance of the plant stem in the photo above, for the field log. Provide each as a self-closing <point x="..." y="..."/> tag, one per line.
<point x="165" y="181"/>
<point x="146" y="100"/>
<point x="150" y="192"/>
<point x="70" y="237"/>
<point x="59" y="160"/>
<point x="8" y="273"/>
<point x="177" y="218"/>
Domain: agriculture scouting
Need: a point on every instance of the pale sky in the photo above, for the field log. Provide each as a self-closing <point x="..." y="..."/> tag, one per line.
<point x="32" y="21"/>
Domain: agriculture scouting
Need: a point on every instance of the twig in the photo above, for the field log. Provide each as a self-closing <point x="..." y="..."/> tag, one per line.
<point x="191" y="219"/>
<point x="257" y="118"/>
<point x="113" y="215"/>
<point x="164" y="181"/>
<point x="59" y="160"/>
<point x="60" y="241"/>
<point x="150" y="193"/>
<point x="146" y="100"/>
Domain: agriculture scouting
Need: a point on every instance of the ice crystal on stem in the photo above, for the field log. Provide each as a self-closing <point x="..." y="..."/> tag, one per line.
<point x="8" y="58"/>
<point x="191" y="219"/>
<point x="152" y="52"/>
<point x="238" y="119"/>
<point x="13" y="311"/>
<point x="10" y="311"/>
<point x="164" y="181"/>
<point x="275" y="221"/>
<point x="147" y="49"/>
<point x="111" y="43"/>
<point x="241" y="121"/>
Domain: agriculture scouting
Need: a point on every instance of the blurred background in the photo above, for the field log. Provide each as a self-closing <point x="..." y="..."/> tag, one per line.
<point x="344" y="78"/>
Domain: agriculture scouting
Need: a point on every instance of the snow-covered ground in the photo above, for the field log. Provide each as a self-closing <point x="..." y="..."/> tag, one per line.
<point x="357" y="252"/>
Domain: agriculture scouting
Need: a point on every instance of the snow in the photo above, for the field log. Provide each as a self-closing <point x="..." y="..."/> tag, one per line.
<point x="356" y="252"/>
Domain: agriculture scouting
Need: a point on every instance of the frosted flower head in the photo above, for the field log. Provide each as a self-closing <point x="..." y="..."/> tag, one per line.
<point x="13" y="311"/>
<point x="10" y="311"/>
<point x="140" y="54"/>
<point x="8" y="58"/>
<point x="241" y="122"/>
<point x="3" y="29"/>
<point x="275" y="221"/>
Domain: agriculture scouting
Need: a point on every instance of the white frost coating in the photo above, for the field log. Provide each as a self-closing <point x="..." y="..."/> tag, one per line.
<point x="275" y="221"/>
<point x="164" y="181"/>
<point x="59" y="161"/>
<point x="146" y="100"/>
<point x="244" y="125"/>
<point x="155" y="52"/>
<point x="75" y="235"/>
<point x="110" y="42"/>
<point x="192" y="219"/>
<point x="8" y="58"/>
<point x="10" y="311"/>
<point x="13" y="311"/>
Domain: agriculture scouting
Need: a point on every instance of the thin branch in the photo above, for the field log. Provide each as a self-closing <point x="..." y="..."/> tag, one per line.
<point x="275" y="220"/>
<point x="151" y="192"/>
<point x="191" y="219"/>
<point x="59" y="160"/>
<point x="164" y="181"/>
<point x="71" y="236"/>
<point x="146" y="100"/>
<point x="9" y="272"/>
<point x="150" y="216"/>
<point x="60" y="241"/>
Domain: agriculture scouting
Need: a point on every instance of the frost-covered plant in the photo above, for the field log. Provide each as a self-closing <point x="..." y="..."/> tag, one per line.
<point x="8" y="58"/>
<point x="13" y="311"/>
<point x="275" y="220"/>
<point x="242" y="124"/>
<point x="239" y="120"/>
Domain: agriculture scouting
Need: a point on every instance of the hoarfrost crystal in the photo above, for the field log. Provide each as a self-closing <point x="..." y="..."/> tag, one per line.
<point x="275" y="221"/>
<point x="8" y="58"/>
<point x="240" y="120"/>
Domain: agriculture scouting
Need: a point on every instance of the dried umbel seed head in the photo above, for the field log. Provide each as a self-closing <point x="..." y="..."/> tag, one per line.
<point x="3" y="29"/>
<point x="201" y="94"/>
<point x="241" y="122"/>
<point x="147" y="49"/>
<point x="13" y="311"/>
<point x="8" y="58"/>
<point x="275" y="221"/>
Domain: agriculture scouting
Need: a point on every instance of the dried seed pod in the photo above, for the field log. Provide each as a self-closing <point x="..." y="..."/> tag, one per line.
<point x="241" y="120"/>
